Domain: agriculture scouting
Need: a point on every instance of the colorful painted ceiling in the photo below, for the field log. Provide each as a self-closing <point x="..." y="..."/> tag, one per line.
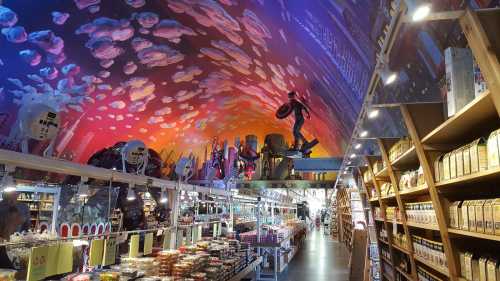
<point x="177" y="73"/>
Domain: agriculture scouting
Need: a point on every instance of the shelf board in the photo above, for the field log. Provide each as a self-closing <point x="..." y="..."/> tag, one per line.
<point x="387" y="276"/>
<point x="382" y="173"/>
<point x="386" y="260"/>
<point x="387" y="197"/>
<point x="383" y="241"/>
<point x="474" y="234"/>
<point x="423" y="226"/>
<point x="439" y="269"/>
<point x="481" y="177"/>
<point x="419" y="190"/>
<point x="401" y="249"/>
<point x="476" y="114"/>
<point x="408" y="158"/>
<point x="405" y="274"/>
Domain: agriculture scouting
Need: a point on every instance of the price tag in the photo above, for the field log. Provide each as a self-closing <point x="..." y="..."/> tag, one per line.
<point x="65" y="258"/>
<point x="148" y="244"/>
<point x="96" y="251"/>
<point x="134" y="246"/>
<point x="109" y="256"/>
<point x="37" y="264"/>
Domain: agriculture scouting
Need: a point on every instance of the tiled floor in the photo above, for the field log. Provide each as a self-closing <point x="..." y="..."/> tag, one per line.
<point x="320" y="259"/>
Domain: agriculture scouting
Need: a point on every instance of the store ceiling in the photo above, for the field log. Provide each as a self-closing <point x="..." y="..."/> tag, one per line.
<point x="206" y="69"/>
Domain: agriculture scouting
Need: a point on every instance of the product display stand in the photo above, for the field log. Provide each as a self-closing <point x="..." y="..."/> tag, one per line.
<point x="431" y="136"/>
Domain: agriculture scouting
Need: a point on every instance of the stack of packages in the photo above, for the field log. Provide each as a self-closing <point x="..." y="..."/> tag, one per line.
<point x="166" y="260"/>
<point x="144" y="266"/>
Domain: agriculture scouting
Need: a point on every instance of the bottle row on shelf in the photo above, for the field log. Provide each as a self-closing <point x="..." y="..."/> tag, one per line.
<point x="421" y="212"/>
<point x="432" y="251"/>
<point x="482" y="216"/>
<point x="477" y="156"/>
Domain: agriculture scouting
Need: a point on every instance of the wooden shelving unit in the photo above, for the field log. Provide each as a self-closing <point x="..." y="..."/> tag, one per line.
<point x="344" y="216"/>
<point x="432" y="136"/>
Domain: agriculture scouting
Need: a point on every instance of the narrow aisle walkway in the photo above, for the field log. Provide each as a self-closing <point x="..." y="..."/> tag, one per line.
<point x="319" y="259"/>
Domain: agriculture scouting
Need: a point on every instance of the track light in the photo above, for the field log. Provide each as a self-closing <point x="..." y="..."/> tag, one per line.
<point x="130" y="193"/>
<point x="357" y="146"/>
<point x="418" y="9"/>
<point x="164" y="196"/>
<point x="373" y="113"/>
<point x="363" y="134"/>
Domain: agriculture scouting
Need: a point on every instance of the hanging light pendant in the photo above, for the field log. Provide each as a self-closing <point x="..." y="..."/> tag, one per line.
<point x="418" y="10"/>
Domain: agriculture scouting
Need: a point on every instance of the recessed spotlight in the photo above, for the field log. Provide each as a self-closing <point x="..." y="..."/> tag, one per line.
<point x="373" y="113"/>
<point x="418" y="9"/>
<point x="352" y="155"/>
<point x="357" y="146"/>
<point x="363" y="134"/>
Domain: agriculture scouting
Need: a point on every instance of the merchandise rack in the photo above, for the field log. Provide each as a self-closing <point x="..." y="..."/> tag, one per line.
<point x="431" y="136"/>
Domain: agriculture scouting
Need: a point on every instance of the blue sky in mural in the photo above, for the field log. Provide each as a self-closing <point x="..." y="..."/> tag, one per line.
<point x="176" y="73"/>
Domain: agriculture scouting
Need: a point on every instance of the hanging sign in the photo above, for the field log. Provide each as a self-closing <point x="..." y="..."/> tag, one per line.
<point x="37" y="264"/>
<point x="96" y="251"/>
<point x="148" y="244"/>
<point x="109" y="256"/>
<point x="134" y="246"/>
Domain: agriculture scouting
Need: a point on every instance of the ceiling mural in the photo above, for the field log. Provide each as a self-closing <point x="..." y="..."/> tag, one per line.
<point x="177" y="73"/>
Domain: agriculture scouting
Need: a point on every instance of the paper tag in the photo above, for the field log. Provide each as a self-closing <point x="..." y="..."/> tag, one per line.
<point x="134" y="246"/>
<point x="109" y="256"/>
<point x="148" y="244"/>
<point x="96" y="251"/>
<point x="37" y="264"/>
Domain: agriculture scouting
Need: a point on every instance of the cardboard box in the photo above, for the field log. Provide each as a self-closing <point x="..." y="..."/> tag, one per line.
<point x="491" y="270"/>
<point x="482" y="269"/>
<point x="492" y="147"/>
<point x="466" y="158"/>
<point x="478" y="156"/>
<point x="465" y="215"/>
<point x="455" y="214"/>
<point x="459" y="155"/>
<point x="488" y="216"/>
<point x="446" y="166"/>
<point x="453" y="165"/>
<point x="459" y="78"/>
<point x="479" y="205"/>
<point x="496" y="216"/>
<point x="472" y="216"/>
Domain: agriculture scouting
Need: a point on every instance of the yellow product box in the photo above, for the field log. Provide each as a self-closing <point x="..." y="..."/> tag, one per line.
<point x="468" y="265"/>
<point x="478" y="156"/>
<point x="493" y="153"/>
<point x="446" y="166"/>
<point x="466" y="158"/>
<point x="459" y="154"/>
<point x="465" y="215"/>
<point x="483" y="262"/>
<point x="491" y="270"/>
<point x="479" y="205"/>
<point x="455" y="214"/>
<point x="496" y="215"/>
<point x="488" y="216"/>
<point x="453" y="164"/>
<point x="472" y="216"/>
<point x="438" y="169"/>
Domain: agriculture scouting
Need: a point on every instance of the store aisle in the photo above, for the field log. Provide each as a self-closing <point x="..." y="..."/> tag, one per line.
<point x="320" y="259"/>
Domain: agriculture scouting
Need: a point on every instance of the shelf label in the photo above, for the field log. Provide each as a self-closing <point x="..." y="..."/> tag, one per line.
<point x="148" y="244"/>
<point x="134" y="246"/>
<point x="37" y="264"/>
<point x="109" y="256"/>
<point x="96" y="251"/>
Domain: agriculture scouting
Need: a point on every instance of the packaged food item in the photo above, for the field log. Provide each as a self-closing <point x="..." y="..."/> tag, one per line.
<point x="472" y="216"/>
<point x="109" y="276"/>
<point x="496" y="215"/>
<point x="483" y="261"/>
<point x="455" y="214"/>
<point x="479" y="215"/>
<point x="468" y="257"/>
<point x="466" y="159"/>
<point x="7" y="274"/>
<point x="446" y="167"/>
<point x="453" y="164"/>
<point x="465" y="215"/>
<point x="478" y="156"/>
<point x="459" y="158"/>
<point x="491" y="270"/>
<point x="439" y="169"/>
<point x="488" y="216"/>
<point x="493" y="151"/>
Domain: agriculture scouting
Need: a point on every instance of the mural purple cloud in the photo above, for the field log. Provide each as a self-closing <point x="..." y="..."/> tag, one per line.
<point x="176" y="73"/>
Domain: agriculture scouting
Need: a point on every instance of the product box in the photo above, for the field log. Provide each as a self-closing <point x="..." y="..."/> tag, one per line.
<point x="466" y="157"/>
<point x="493" y="153"/>
<point x="479" y="83"/>
<point x="472" y="216"/>
<point x="478" y="156"/>
<point x="459" y="78"/>
<point x="468" y="265"/>
<point x="482" y="269"/>
<point x="496" y="216"/>
<point x="459" y="156"/>
<point x="453" y="165"/>
<point x="438" y="169"/>
<point x="488" y="216"/>
<point x="465" y="215"/>
<point x="479" y="205"/>
<point x="491" y="270"/>
<point x="446" y="166"/>
<point x="461" y="256"/>
<point x="455" y="214"/>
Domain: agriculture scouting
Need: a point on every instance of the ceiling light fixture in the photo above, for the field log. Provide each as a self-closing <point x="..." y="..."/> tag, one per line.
<point x="357" y="146"/>
<point x="363" y="133"/>
<point x="130" y="193"/>
<point x="352" y="156"/>
<point x="418" y="10"/>
<point x="388" y="77"/>
<point x="373" y="113"/>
